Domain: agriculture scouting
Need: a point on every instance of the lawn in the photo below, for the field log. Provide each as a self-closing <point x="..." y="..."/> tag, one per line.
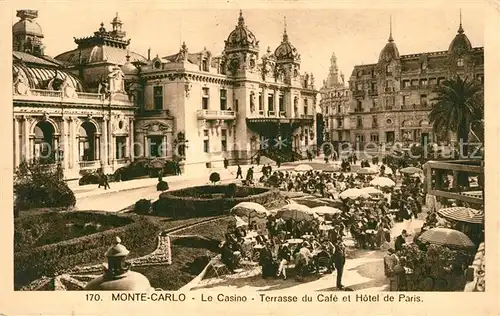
<point x="190" y="255"/>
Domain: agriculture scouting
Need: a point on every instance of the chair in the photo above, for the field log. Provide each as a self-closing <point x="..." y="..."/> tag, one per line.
<point x="323" y="260"/>
<point x="218" y="266"/>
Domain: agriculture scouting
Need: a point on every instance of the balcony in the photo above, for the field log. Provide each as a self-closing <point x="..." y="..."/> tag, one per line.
<point x="271" y="113"/>
<point x="307" y="116"/>
<point x="359" y="110"/>
<point x="216" y="115"/>
<point x="79" y="97"/>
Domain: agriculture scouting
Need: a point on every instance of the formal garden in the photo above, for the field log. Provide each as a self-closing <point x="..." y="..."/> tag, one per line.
<point x="52" y="239"/>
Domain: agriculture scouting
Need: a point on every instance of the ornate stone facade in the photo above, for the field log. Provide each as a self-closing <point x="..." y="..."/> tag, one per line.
<point x="391" y="99"/>
<point x="100" y="105"/>
<point x="335" y="105"/>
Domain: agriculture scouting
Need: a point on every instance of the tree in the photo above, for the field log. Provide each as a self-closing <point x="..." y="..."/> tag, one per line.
<point x="38" y="185"/>
<point x="214" y="177"/>
<point x="459" y="103"/>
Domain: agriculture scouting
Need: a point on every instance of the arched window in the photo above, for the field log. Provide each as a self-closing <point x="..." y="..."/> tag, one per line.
<point x="460" y="62"/>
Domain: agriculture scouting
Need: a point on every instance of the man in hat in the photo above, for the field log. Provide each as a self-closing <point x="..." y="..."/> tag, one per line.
<point x="400" y="240"/>
<point x="339" y="262"/>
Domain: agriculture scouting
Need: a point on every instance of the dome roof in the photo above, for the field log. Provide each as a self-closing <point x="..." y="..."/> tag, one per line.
<point x="286" y="52"/>
<point x="461" y="42"/>
<point x="128" y="68"/>
<point x="389" y="52"/>
<point x="241" y="38"/>
<point x="100" y="53"/>
<point x="27" y="25"/>
<point x="40" y="77"/>
<point x="131" y="281"/>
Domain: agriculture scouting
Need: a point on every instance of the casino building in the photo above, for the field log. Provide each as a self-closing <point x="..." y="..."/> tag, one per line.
<point x="391" y="99"/>
<point x="102" y="105"/>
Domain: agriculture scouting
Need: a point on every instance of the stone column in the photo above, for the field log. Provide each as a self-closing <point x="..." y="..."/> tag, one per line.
<point x="17" y="151"/>
<point x="75" y="146"/>
<point x="64" y="141"/>
<point x="276" y="102"/>
<point x="97" y="146"/>
<point x="164" y="146"/>
<point x="132" y="140"/>
<point x="264" y="100"/>
<point x="104" y="151"/>
<point x="145" y="146"/>
<point x="26" y="139"/>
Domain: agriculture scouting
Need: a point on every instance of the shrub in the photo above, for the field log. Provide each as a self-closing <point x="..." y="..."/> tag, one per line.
<point x="214" y="177"/>
<point x="37" y="185"/>
<point x="162" y="186"/>
<point x="143" y="206"/>
<point x="89" y="178"/>
<point x="231" y="190"/>
<point x="54" y="259"/>
<point x="210" y="200"/>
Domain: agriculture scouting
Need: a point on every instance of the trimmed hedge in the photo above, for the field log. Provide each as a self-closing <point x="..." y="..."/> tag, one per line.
<point x="53" y="259"/>
<point x="211" y="200"/>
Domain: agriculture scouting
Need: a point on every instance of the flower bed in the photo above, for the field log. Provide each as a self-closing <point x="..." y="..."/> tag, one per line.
<point x="211" y="200"/>
<point x="55" y="258"/>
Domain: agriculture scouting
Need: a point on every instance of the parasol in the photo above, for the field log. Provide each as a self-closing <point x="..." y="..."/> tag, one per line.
<point x="303" y="168"/>
<point x="323" y="210"/>
<point x="383" y="182"/>
<point x="367" y="170"/>
<point x="410" y="170"/>
<point x="372" y="190"/>
<point x="296" y="212"/>
<point x="387" y="171"/>
<point x="447" y="237"/>
<point x="250" y="211"/>
<point x="353" y="194"/>
<point x="462" y="214"/>
<point x="240" y="222"/>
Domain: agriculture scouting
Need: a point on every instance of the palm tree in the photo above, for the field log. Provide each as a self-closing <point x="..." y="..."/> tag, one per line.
<point x="458" y="104"/>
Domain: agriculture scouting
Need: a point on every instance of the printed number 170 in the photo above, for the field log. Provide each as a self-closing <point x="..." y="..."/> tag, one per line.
<point x="93" y="297"/>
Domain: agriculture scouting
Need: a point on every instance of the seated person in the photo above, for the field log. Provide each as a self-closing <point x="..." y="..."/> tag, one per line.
<point x="240" y="233"/>
<point x="303" y="259"/>
<point x="266" y="262"/>
<point x="228" y="257"/>
<point x="323" y="258"/>
<point x="284" y="257"/>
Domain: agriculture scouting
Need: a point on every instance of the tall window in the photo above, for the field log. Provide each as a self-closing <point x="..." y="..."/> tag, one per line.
<point x="460" y="62"/>
<point x="326" y="110"/>
<point x="388" y="69"/>
<point x="261" y="103"/>
<point x="205" y="98"/>
<point x="359" y="106"/>
<point x="121" y="144"/>
<point x="281" y="101"/>
<point x="374" y="137"/>
<point x="406" y="100"/>
<point x="270" y="102"/>
<point x="223" y="99"/>
<point x="339" y="123"/>
<point x="359" y="122"/>
<point x="423" y="99"/>
<point x="423" y="83"/>
<point x="223" y="142"/>
<point x="374" y="122"/>
<point x="204" y="64"/>
<point x="374" y="87"/>
<point x="158" y="97"/>
<point x="374" y="102"/>
<point x="236" y="105"/>
<point x="206" y="141"/>
<point x="338" y="108"/>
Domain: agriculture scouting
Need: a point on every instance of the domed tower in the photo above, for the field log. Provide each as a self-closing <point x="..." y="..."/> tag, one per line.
<point x="241" y="50"/>
<point x="27" y="34"/>
<point x="389" y="71"/>
<point x="133" y="86"/>
<point x="287" y="60"/>
<point x="459" y="52"/>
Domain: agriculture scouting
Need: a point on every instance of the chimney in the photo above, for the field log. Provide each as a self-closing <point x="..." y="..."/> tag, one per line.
<point x="149" y="54"/>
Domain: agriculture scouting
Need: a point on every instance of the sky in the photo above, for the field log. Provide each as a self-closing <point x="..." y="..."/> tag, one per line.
<point x="356" y="36"/>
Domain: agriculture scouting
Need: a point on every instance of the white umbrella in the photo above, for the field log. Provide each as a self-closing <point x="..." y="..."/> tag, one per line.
<point x="303" y="167"/>
<point x="322" y="210"/>
<point x="371" y="190"/>
<point x="253" y="212"/>
<point x="387" y="171"/>
<point x="240" y="222"/>
<point x="382" y="182"/>
<point x="353" y="194"/>
<point x="332" y="168"/>
<point x="297" y="212"/>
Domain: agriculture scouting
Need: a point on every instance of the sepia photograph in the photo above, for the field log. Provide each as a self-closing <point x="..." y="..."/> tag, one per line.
<point x="248" y="149"/>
